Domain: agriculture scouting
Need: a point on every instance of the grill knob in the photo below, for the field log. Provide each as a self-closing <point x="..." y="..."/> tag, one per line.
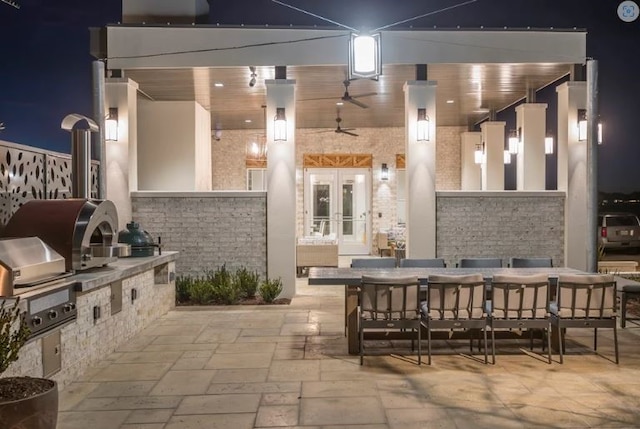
<point x="53" y="314"/>
<point x="69" y="307"/>
<point x="37" y="321"/>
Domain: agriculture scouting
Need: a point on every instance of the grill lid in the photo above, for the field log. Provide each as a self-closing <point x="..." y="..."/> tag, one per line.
<point x="25" y="261"/>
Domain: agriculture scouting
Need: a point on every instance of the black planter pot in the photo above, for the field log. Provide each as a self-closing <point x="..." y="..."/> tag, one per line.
<point x="35" y="412"/>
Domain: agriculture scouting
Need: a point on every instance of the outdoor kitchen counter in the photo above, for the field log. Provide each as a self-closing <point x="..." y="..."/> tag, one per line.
<point x="120" y="269"/>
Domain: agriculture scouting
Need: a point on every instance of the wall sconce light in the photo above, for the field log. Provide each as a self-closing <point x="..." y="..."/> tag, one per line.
<point x="478" y="155"/>
<point x="365" y="61"/>
<point x="599" y="132"/>
<point x="513" y="140"/>
<point x="507" y="157"/>
<point x="423" y="126"/>
<point x="111" y="125"/>
<point x="280" y="125"/>
<point x="582" y="125"/>
<point x="384" y="172"/>
<point x="548" y="144"/>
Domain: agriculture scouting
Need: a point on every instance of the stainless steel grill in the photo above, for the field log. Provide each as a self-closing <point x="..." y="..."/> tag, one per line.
<point x="31" y="269"/>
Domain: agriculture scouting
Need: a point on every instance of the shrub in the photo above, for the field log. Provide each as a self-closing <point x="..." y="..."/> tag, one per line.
<point x="201" y="291"/>
<point x="183" y="288"/>
<point x="247" y="282"/>
<point x="14" y="332"/>
<point x="225" y="289"/>
<point x="270" y="289"/>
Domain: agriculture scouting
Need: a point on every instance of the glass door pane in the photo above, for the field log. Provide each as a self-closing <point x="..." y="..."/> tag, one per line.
<point x="337" y="205"/>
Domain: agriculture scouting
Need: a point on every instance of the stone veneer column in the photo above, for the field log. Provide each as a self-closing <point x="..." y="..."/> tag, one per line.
<point x="493" y="163"/>
<point x="531" y="158"/>
<point x="420" y="171"/>
<point x="471" y="173"/>
<point x="121" y="163"/>
<point x="281" y="188"/>
<point x="572" y="172"/>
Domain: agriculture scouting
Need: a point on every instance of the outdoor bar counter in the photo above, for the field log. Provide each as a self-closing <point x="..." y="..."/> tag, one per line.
<point x="113" y="303"/>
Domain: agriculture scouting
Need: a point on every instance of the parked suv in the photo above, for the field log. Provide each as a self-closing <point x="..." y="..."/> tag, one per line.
<point x="618" y="230"/>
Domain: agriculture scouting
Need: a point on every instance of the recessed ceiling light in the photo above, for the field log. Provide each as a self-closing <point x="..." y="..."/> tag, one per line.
<point x="248" y="121"/>
<point x="218" y="84"/>
<point x="339" y="103"/>
<point x="450" y="101"/>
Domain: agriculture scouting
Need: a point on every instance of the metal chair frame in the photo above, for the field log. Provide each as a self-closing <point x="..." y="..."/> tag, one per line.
<point x="592" y="303"/>
<point x="523" y="303"/>
<point x="387" y="303"/>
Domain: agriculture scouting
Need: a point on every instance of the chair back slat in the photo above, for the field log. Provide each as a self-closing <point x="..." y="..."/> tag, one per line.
<point x="390" y="298"/>
<point x="520" y="297"/>
<point x="531" y="263"/>
<point x="422" y="263"/>
<point x="456" y="297"/>
<point x="480" y="263"/>
<point x="586" y="296"/>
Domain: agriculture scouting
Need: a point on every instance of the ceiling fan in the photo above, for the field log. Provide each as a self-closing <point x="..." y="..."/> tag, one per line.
<point x="340" y="130"/>
<point x="346" y="97"/>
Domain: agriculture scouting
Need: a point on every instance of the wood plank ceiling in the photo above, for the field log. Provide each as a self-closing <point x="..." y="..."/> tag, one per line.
<point x="465" y="92"/>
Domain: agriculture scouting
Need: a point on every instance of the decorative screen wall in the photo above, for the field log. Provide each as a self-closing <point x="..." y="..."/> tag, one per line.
<point x="29" y="173"/>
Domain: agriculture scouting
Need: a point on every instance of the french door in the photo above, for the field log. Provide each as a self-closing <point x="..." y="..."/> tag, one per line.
<point x="337" y="202"/>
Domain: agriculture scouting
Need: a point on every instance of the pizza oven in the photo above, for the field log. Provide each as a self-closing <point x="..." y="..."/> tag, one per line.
<point x="82" y="231"/>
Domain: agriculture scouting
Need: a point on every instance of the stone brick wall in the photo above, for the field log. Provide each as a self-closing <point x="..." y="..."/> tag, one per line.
<point x="229" y="172"/>
<point x="500" y="224"/>
<point x="209" y="229"/>
<point x="85" y="341"/>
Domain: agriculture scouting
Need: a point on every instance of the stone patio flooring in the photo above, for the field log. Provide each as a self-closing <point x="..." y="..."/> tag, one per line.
<point x="242" y="367"/>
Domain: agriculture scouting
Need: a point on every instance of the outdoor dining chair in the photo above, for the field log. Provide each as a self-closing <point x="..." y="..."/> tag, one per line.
<point x="480" y="263"/>
<point x="585" y="301"/>
<point x="388" y="303"/>
<point x="520" y="302"/>
<point x="455" y="302"/>
<point x="531" y="263"/>
<point x="422" y="263"/>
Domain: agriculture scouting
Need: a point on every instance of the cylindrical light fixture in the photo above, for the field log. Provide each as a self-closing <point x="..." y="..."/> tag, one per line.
<point x="384" y="172"/>
<point x="280" y="125"/>
<point x="513" y="142"/>
<point x="582" y="125"/>
<point x="548" y="144"/>
<point x="111" y="125"/>
<point x="507" y="157"/>
<point x="478" y="155"/>
<point x="423" y="126"/>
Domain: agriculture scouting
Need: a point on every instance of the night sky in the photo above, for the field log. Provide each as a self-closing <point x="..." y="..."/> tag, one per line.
<point x="45" y="65"/>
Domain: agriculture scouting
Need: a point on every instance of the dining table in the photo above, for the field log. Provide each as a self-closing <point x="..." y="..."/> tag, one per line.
<point x="352" y="277"/>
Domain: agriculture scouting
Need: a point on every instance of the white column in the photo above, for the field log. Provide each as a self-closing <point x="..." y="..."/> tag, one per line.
<point x="420" y="171"/>
<point x="493" y="163"/>
<point x="531" y="158"/>
<point x="471" y="173"/>
<point x="572" y="172"/>
<point x="121" y="161"/>
<point x="281" y="188"/>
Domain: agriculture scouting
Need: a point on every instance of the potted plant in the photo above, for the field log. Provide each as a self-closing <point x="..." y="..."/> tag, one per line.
<point x="25" y="402"/>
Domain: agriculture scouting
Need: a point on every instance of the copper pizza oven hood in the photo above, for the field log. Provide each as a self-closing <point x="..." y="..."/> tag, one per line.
<point x="82" y="231"/>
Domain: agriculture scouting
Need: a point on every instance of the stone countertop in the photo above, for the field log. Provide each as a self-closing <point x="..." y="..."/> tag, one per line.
<point x="118" y="270"/>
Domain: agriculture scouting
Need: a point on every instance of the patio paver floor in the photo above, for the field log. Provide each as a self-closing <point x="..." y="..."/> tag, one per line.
<point x="287" y="367"/>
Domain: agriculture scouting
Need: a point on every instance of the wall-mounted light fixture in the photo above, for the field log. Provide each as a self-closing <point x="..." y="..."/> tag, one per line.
<point x="513" y="142"/>
<point x="365" y="61"/>
<point x="384" y="172"/>
<point x="111" y="125"/>
<point x="423" y="126"/>
<point x="582" y="126"/>
<point x="548" y="144"/>
<point x="280" y="125"/>
<point x="478" y="154"/>
<point x="507" y="157"/>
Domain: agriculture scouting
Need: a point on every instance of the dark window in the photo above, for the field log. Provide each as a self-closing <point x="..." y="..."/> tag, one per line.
<point x="622" y="221"/>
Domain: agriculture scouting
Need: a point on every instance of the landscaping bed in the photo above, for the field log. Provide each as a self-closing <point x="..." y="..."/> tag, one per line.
<point x="225" y="287"/>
